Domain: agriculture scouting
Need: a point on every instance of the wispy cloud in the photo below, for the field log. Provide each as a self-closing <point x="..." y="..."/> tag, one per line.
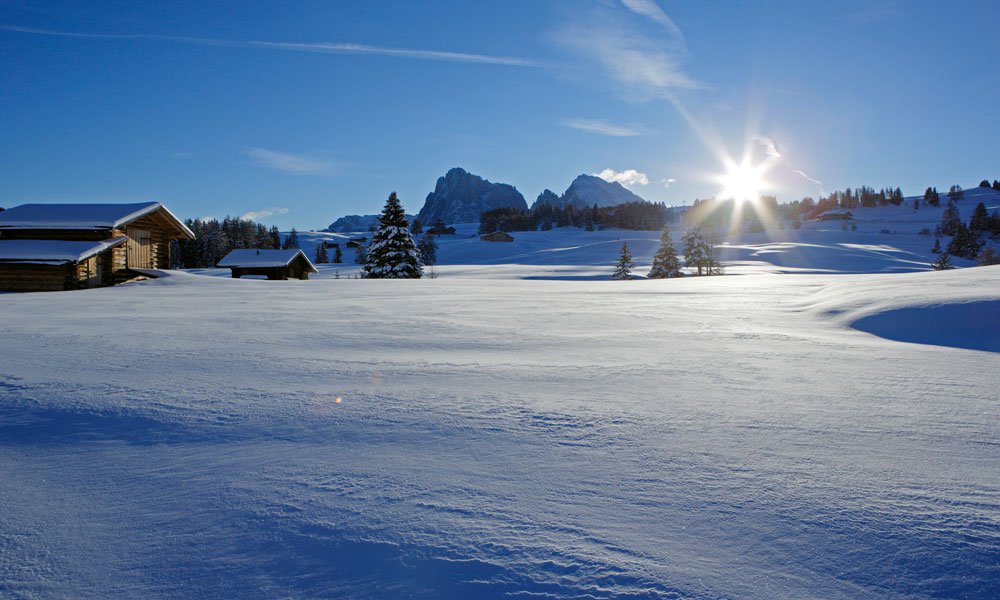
<point x="296" y="164"/>
<point x="602" y="127"/>
<point x="628" y="177"/>
<point x="315" y="48"/>
<point x="807" y="178"/>
<point x="668" y="182"/>
<point x="652" y="10"/>
<point x="645" y="63"/>
<point x="770" y="147"/>
<point x="254" y="215"/>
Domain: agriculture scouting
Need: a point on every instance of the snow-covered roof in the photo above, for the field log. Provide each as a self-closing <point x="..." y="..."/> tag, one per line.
<point x="81" y="216"/>
<point x="249" y="257"/>
<point x="55" y="252"/>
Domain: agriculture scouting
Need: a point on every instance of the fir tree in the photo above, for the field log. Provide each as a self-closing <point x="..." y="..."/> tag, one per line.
<point x="625" y="265"/>
<point x="665" y="261"/>
<point x="417" y="227"/>
<point x="965" y="244"/>
<point x="950" y="220"/>
<point x="392" y="253"/>
<point x="984" y="183"/>
<point x="988" y="256"/>
<point x="275" y="236"/>
<point x="943" y="262"/>
<point x="321" y="257"/>
<point x="980" y="220"/>
<point x="338" y="256"/>
<point x="955" y="193"/>
<point x="996" y="184"/>
<point x="292" y="241"/>
<point x="427" y="247"/>
<point x="937" y="246"/>
<point x="699" y="253"/>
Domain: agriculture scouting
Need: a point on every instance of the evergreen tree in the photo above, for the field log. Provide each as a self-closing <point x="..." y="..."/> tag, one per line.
<point x="916" y="204"/>
<point x="980" y="220"/>
<point x="699" y="253"/>
<point x="950" y="220"/>
<point x="417" y="227"/>
<point x="984" y="183"/>
<point x="931" y="197"/>
<point x="625" y="265"/>
<point x="427" y="247"/>
<point x="988" y="256"/>
<point x="665" y="261"/>
<point x="321" y="257"/>
<point x="965" y="244"/>
<point x="361" y="254"/>
<point x="392" y="253"/>
<point x="996" y="184"/>
<point x="275" y="237"/>
<point x="292" y="241"/>
<point x="943" y="262"/>
<point x="955" y="193"/>
<point x="338" y="256"/>
<point x="937" y="246"/>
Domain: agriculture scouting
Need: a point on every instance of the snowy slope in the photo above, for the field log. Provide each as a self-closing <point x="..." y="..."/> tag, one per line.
<point x="455" y="438"/>
<point x="818" y="247"/>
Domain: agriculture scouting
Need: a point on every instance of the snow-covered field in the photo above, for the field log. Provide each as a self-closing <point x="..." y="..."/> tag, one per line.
<point x="736" y="437"/>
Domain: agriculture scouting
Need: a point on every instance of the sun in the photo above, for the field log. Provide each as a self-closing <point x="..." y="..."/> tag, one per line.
<point x="742" y="182"/>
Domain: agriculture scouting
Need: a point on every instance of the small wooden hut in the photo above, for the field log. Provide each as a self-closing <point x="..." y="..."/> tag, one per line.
<point x="273" y="264"/>
<point x="497" y="236"/>
<point x="45" y="247"/>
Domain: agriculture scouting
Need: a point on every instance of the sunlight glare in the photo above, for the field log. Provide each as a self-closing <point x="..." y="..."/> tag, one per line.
<point x="742" y="182"/>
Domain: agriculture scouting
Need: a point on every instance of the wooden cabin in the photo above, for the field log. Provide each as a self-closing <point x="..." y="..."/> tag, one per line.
<point x="497" y="236"/>
<point x="273" y="264"/>
<point x="836" y="215"/>
<point x="48" y="247"/>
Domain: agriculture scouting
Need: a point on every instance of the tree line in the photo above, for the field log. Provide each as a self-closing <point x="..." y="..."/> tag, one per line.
<point x="636" y="216"/>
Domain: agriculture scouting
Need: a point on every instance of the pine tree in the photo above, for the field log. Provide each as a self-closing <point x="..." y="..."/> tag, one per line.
<point x="665" y="261"/>
<point x="321" y="257"/>
<point x="950" y="220"/>
<point x="275" y="236"/>
<point x="955" y="193"/>
<point x="392" y="253"/>
<point x="338" y="256"/>
<point x="292" y="241"/>
<point x="984" y="183"/>
<point x="980" y="220"/>
<point x="937" y="246"/>
<point x="988" y="256"/>
<point x="427" y="247"/>
<point x="943" y="262"/>
<point x="996" y="184"/>
<point x="417" y="227"/>
<point x="625" y="265"/>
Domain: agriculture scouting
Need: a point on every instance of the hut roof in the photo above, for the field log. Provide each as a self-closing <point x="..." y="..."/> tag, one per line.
<point x="251" y="258"/>
<point x="52" y="252"/>
<point x="83" y="216"/>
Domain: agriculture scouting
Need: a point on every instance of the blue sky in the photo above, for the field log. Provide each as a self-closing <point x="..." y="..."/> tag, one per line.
<point x="304" y="111"/>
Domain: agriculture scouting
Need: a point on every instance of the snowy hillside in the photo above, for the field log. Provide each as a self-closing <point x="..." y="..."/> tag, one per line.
<point x="737" y="437"/>
<point x="887" y="239"/>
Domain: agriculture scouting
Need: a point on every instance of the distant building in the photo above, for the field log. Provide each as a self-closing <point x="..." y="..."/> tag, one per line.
<point x="273" y="264"/>
<point x="441" y="229"/>
<point x="497" y="236"/>
<point x="835" y="215"/>
<point x="50" y="247"/>
<point x="356" y="242"/>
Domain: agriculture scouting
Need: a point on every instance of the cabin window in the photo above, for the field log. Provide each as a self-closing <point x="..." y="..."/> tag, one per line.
<point x="140" y="249"/>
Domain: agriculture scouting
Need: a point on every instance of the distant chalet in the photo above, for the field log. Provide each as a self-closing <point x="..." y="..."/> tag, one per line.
<point x="836" y="215"/>
<point x="497" y="236"/>
<point x="50" y="247"/>
<point x="273" y="264"/>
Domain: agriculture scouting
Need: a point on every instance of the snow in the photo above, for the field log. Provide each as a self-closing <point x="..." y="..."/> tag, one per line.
<point x="250" y="258"/>
<point x="53" y="251"/>
<point x="824" y="424"/>
<point x="686" y="438"/>
<point x="79" y="216"/>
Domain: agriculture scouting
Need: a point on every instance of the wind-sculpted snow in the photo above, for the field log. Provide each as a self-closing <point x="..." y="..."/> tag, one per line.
<point x="203" y="437"/>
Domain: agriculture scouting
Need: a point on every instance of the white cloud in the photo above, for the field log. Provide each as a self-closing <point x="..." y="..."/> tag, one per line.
<point x="253" y="215"/>
<point x="647" y="65"/>
<point x="628" y="177"/>
<point x="318" y="47"/>
<point x="295" y="164"/>
<point x="668" y="182"/>
<point x="770" y="148"/>
<point x="601" y="127"/>
<point x="652" y="10"/>
<point x="808" y="178"/>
